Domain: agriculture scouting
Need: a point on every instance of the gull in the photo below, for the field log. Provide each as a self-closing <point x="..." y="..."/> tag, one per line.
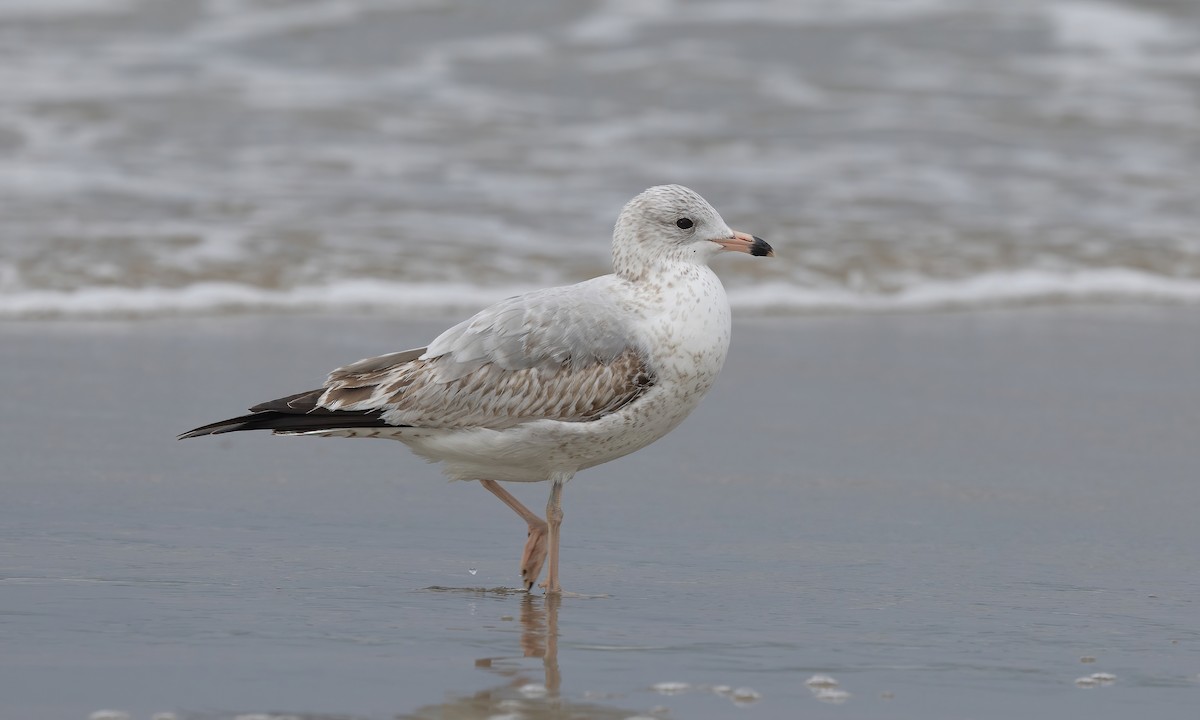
<point x="542" y="385"/>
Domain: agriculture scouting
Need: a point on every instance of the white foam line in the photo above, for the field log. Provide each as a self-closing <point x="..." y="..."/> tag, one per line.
<point x="985" y="290"/>
<point x="988" y="290"/>
<point x="215" y="297"/>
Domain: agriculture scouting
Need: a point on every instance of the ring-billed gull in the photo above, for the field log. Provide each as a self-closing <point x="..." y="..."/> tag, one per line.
<point x="542" y="385"/>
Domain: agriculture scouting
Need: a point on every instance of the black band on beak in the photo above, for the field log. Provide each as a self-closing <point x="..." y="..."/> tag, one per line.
<point x="759" y="247"/>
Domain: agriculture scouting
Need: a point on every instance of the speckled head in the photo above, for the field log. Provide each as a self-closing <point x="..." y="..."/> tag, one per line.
<point x="672" y="223"/>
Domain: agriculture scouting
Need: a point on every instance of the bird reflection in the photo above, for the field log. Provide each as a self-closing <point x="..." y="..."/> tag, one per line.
<point x="523" y="692"/>
<point x="539" y="635"/>
<point x="539" y="639"/>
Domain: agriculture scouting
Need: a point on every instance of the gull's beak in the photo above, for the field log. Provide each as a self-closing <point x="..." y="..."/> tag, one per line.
<point x="743" y="242"/>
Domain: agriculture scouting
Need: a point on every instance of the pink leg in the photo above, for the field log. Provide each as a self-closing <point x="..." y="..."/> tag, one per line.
<point x="554" y="517"/>
<point x="534" y="555"/>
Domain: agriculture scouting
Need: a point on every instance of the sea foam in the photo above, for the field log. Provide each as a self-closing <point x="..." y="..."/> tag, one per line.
<point x="989" y="290"/>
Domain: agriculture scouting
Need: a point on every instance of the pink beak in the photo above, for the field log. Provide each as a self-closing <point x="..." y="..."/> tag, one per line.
<point x="744" y="242"/>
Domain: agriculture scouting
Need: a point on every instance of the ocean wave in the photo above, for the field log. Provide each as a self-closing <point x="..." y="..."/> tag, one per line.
<point x="989" y="290"/>
<point x="244" y="156"/>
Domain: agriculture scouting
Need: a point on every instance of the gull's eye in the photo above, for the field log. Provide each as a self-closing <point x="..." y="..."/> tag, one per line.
<point x="683" y="223"/>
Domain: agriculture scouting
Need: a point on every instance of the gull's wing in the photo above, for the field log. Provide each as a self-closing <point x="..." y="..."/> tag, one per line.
<point x="562" y="354"/>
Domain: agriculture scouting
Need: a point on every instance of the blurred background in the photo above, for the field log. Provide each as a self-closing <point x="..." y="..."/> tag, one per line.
<point x="970" y="514"/>
<point x="199" y="156"/>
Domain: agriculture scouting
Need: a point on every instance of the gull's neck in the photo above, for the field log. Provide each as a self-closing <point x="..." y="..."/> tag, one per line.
<point x="677" y="263"/>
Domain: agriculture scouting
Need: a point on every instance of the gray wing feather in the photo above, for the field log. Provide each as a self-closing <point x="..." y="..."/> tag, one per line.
<point x="545" y="328"/>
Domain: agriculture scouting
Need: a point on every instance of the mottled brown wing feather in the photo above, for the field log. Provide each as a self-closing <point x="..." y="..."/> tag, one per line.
<point x="415" y="393"/>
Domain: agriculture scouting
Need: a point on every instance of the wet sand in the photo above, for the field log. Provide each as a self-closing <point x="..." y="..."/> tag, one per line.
<point x="943" y="512"/>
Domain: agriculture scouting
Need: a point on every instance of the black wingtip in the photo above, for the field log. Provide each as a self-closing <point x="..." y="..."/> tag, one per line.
<point x="296" y="421"/>
<point x="216" y="428"/>
<point x="192" y="433"/>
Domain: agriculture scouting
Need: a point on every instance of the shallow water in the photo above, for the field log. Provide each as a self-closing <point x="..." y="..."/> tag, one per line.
<point x="944" y="513"/>
<point x="166" y="156"/>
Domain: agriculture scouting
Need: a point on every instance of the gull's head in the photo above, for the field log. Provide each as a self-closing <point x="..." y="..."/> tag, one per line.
<point x="671" y="223"/>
